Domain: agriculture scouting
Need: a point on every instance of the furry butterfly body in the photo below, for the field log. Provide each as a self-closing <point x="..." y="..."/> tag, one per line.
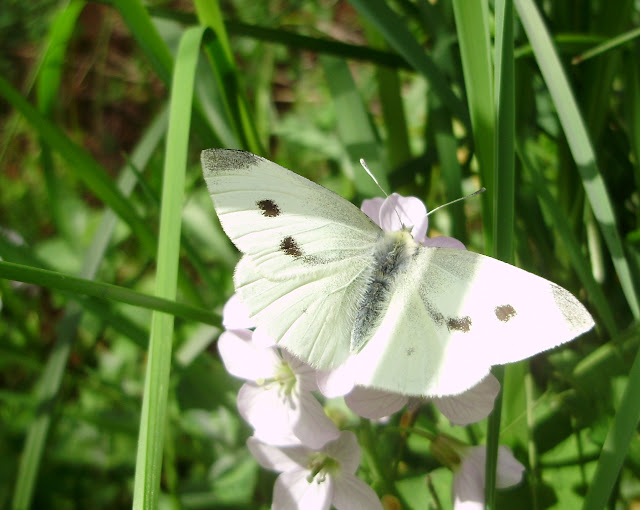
<point x="328" y="285"/>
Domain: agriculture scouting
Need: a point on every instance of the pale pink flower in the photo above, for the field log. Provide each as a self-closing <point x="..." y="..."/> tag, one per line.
<point x="473" y="405"/>
<point x="396" y="212"/>
<point x="276" y="400"/>
<point x="315" y="479"/>
<point x="469" y="478"/>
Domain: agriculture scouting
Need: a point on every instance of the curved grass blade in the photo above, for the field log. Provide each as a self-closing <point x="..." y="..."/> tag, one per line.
<point x="154" y="405"/>
<point x="579" y="143"/>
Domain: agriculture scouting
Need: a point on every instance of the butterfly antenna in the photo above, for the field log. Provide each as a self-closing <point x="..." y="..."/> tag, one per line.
<point x="366" y="169"/>
<point x="481" y="190"/>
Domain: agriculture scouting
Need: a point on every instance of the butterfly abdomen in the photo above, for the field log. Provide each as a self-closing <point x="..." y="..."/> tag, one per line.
<point x="391" y="257"/>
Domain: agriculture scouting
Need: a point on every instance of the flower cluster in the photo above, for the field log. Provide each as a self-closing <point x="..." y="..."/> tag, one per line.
<point x="294" y="436"/>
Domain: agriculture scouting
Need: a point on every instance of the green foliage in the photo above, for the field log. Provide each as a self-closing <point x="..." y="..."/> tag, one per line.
<point x="439" y="98"/>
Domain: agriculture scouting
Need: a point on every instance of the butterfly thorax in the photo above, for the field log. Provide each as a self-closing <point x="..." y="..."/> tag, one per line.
<point x="391" y="257"/>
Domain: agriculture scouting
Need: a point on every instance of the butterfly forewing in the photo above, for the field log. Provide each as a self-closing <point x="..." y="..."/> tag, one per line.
<point x="287" y="224"/>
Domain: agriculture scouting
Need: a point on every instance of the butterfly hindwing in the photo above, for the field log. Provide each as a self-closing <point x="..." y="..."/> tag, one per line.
<point x="454" y="314"/>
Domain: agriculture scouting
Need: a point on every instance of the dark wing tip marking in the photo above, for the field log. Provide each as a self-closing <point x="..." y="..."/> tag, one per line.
<point x="217" y="160"/>
<point x="269" y="208"/>
<point x="505" y="313"/>
<point x="462" y="324"/>
<point x="289" y="246"/>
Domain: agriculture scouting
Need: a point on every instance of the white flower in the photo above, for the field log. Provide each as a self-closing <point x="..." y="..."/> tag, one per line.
<point x="315" y="479"/>
<point x="276" y="400"/>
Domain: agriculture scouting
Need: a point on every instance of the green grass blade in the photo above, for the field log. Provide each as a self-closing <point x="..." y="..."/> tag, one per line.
<point x="395" y="32"/>
<point x="608" y="45"/>
<point x="503" y="213"/>
<point x="447" y="148"/>
<point x="354" y="127"/>
<point x="475" y="51"/>
<point x="579" y="143"/>
<point x="73" y="285"/>
<point x="154" y="406"/>
<point x="616" y="446"/>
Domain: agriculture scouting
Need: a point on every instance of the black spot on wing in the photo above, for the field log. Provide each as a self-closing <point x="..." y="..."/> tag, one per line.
<point x="269" y="208"/>
<point x="462" y="324"/>
<point x="289" y="246"/>
<point x="505" y="313"/>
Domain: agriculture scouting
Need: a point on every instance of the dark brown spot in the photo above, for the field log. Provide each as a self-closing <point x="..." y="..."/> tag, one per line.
<point x="290" y="247"/>
<point x="410" y="351"/>
<point x="505" y="313"/>
<point x="459" y="324"/>
<point x="269" y="208"/>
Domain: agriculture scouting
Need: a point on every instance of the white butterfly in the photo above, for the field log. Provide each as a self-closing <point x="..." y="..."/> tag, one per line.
<point x="329" y="285"/>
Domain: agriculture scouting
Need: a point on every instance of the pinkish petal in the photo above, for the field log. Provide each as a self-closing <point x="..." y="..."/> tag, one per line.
<point x="509" y="470"/>
<point x="398" y="211"/>
<point x="261" y="339"/>
<point x="280" y="418"/>
<point x="235" y="315"/>
<point x="346" y="451"/>
<point x="337" y="382"/>
<point x="271" y="418"/>
<point x="305" y="374"/>
<point x="351" y="493"/>
<point x="419" y="230"/>
<point x="443" y="242"/>
<point x="293" y="491"/>
<point x="468" y="481"/>
<point x="471" y="406"/>
<point x="371" y="207"/>
<point x="374" y="404"/>
<point x="278" y="459"/>
<point x="243" y="359"/>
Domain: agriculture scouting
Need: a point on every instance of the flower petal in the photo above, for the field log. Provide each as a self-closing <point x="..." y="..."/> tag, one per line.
<point x="509" y="471"/>
<point x="346" y="451"/>
<point x="471" y="406"/>
<point x="337" y="382"/>
<point x="235" y="315"/>
<point x="419" y="230"/>
<point x="243" y="359"/>
<point x="468" y="482"/>
<point x="351" y="493"/>
<point x="283" y="419"/>
<point x="261" y="339"/>
<point x="293" y="491"/>
<point x="278" y="459"/>
<point x="305" y="374"/>
<point x="374" y="404"/>
<point x="371" y="207"/>
<point x="398" y="211"/>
